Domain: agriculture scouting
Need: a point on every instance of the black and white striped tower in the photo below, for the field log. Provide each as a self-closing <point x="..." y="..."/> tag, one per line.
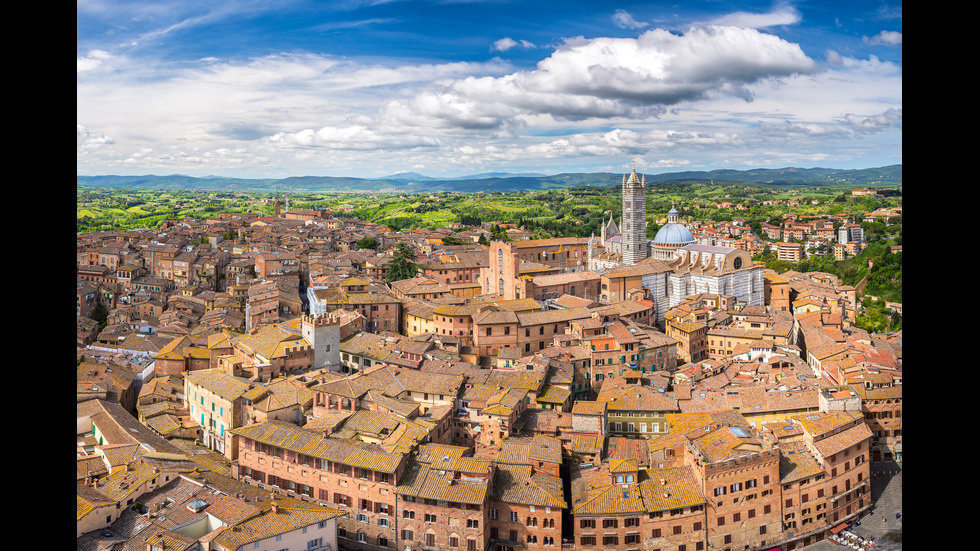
<point x="633" y="225"/>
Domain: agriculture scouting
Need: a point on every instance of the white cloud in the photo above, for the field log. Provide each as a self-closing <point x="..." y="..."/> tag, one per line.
<point x="624" y="20"/>
<point x="91" y="61"/>
<point x="507" y="43"/>
<point x="89" y="139"/>
<point x="633" y="78"/>
<point x="887" y="38"/>
<point x="731" y="93"/>
<point x="781" y="15"/>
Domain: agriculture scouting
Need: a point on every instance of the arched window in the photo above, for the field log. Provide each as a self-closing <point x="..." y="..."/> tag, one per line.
<point x="738" y="262"/>
<point x="619" y="479"/>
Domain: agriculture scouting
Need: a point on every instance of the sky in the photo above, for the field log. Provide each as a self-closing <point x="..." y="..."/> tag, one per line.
<point x="447" y="88"/>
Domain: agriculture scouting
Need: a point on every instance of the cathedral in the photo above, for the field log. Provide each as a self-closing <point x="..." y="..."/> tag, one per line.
<point x="672" y="265"/>
<point x="627" y="244"/>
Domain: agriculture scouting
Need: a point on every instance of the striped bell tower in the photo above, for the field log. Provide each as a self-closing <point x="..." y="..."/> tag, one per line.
<point x="633" y="225"/>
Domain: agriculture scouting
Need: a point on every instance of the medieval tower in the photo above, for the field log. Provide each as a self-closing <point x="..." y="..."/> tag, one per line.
<point x="633" y="224"/>
<point x="323" y="333"/>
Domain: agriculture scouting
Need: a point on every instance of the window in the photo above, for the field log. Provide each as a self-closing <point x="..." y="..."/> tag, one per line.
<point x="656" y="533"/>
<point x="610" y="523"/>
<point x="587" y="540"/>
<point x="587" y="523"/>
<point x="610" y="540"/>
<point x="493" y="514"/>
<point x="472" y="523"/>
<point x="513" y="516"/>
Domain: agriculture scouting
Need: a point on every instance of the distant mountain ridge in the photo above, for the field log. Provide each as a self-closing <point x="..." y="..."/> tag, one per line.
<point x="410" y="182"/>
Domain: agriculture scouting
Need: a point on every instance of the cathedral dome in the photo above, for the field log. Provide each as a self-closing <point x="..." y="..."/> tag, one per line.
<point x="673" y="233"/>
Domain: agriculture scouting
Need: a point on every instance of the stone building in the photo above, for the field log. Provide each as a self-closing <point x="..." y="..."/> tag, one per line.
<point x="508" y="261"/>
<point x="739" y="471"/>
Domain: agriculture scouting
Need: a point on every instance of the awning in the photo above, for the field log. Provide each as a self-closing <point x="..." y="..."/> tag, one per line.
<point x="838" y="528"/>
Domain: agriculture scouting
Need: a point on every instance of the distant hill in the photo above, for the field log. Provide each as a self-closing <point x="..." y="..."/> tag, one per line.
<point x="410" y="182"/>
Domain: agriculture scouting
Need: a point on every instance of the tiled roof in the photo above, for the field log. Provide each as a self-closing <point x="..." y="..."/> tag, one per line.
<point x="635" y="398"/>
<point x="796" y="462"/>
<point x="819" y="424"/>
<point x="594" y="493"/>
<point x="271" y="341"/>
<point x="520" y="485"/>
<point x="725" y="443"/>
<point x="423" y="481"/>
<point x="587" y="407"/>
<point x="554" y="395"/>
<point x="333" y="449"/>
<point x="219" y="382"/>
<point x="526" y="451"/>
<point x="286" y="519"/>
<point x="671" y="488"/>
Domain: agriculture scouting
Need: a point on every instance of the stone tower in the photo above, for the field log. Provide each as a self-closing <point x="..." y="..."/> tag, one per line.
<point x="322" y="331"/>
<point x="633" y="224"/>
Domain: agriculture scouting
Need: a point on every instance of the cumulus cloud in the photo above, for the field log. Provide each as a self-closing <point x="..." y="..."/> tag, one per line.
<point x="885" y="38"/>
<point x="624" y="20"/>
<point x="622" y="77"/>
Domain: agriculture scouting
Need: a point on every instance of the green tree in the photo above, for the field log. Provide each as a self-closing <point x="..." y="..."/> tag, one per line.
<point x="402" y="265"/>
<point x="368" y="243"/>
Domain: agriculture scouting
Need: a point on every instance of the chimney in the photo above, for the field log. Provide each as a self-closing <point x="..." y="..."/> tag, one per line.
<point x="275" y="508"/>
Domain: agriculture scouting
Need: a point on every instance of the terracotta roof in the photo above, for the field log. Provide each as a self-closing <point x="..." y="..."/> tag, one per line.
<point x="519" y="484"/>
<point x="341" y="451"/>
<point x="423" y="481"/>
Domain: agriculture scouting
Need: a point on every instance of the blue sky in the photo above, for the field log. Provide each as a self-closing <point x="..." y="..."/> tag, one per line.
<point x="368" y="88"/>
